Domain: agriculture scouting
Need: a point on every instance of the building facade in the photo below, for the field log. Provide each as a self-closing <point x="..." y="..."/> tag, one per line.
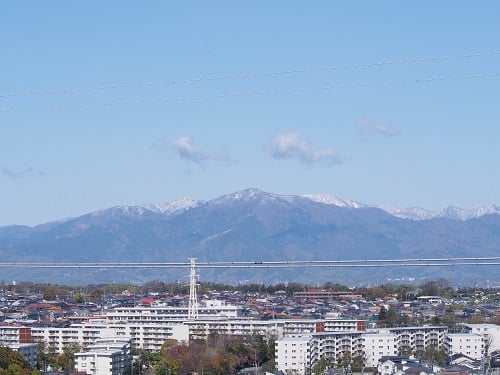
<point x="293" y="355"/>
<point x="377" y="345"/>
<point x="490" y="334"/>
<point x="109" y="356"/>
<point x="469" y="344"/>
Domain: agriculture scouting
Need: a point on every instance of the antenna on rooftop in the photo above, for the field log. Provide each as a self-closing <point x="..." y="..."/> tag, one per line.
<point x="193" y="298"/>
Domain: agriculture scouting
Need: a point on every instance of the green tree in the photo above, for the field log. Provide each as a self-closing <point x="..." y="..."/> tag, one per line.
<point x="382" y="314"/>
<point x="450" y="320"/>
<point x="78" y="298"/>
<point x="13" y="363"/>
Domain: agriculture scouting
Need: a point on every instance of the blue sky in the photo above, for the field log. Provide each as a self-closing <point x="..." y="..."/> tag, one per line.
<point x="428" y="144"/>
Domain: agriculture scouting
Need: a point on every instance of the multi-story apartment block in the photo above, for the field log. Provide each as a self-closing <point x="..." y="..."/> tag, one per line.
<point x="18" y="338"/>
<point x="14" y="333"/>
<point x="58" y="338"/>
<point x="146" y="336"/>
<point x="270" y="328"/>
<point x="489" y="332"/>
<point x="335" y="344"/>
<point x="412" y="340"/>
<point x="371" y="345"/>
<point x="201" y="329"/>
<point x="171" y="314"/>
<point x="378" y="345"/>
<point x="294" y="354"/>
<point x="298" y="354"/>
<point x="469" y="344"/>
<point x="110" y="356"/>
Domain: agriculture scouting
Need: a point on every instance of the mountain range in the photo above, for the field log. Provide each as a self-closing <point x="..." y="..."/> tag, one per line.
<point x="253" y="225"/>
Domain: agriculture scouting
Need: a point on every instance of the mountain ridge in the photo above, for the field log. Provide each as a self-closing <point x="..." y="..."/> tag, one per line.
<point x="250" y="225"/>
<point x="186" y="203"/>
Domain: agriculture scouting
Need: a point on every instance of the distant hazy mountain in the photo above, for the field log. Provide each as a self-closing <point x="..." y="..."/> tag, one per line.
<point x="252" y="225"/>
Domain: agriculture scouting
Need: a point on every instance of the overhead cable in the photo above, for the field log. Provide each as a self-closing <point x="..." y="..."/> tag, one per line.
<point x="250" y="93"/>
<point x="356" y="263"/>
<point x="248" y="75"/>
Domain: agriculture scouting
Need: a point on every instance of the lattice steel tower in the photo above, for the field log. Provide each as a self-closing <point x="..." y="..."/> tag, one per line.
<point x="193" y="298"/>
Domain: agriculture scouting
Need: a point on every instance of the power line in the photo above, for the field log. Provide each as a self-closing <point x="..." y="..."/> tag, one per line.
<point x="248" y="75"/>
<point x="250" y="93"/>
<point x="357" y="263"/>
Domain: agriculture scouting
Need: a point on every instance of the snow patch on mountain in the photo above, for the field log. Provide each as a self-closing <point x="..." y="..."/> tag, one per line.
<point x="249" y="195"/>
<point x="450" y="212"/>
<point x="214" y="236"/>
<point x="243" y="195"/>
<point x="461" y="214"/>
<point x="411" y="213"/>
<point x="177" y="206"/>
<point x="330" y="199"/>
<point x="120" y="210"/>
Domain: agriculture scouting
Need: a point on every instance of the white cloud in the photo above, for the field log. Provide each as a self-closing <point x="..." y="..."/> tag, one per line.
<point x="291" y="145"/>
<point x="185" y="149"/>
<point x="386" y="130"/>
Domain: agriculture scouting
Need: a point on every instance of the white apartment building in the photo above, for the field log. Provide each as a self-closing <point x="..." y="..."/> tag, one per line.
<point x="270" y="328"/>
<point x="58" y="338"/>
<point x="370" y="345"/>
<point x="293" y="355"/>
<point x="302" y="326"/>
<point x="14" y="333"/>
<point x="297" y="354"/>
<point x="99" y="362"/>
<point x="489" y="332"/>
<point x="201" y="329"/>
<point x="152" y="336"/>
<point x="171" y="314"/>
<point x="110" y="356"/>
<point x="335" y="344"/>
<point x="416" y="339"/>
<point x="469" y="344"/>
<point x="146" y="336"/>
<point x="377" y="345"/>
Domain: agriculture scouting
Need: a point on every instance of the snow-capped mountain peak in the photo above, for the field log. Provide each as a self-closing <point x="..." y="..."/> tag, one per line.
<point x="411" y="213"/>
<point x="453" y="212"/>
<point x="253" y="194"/>
<point x="450" y="212"/>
